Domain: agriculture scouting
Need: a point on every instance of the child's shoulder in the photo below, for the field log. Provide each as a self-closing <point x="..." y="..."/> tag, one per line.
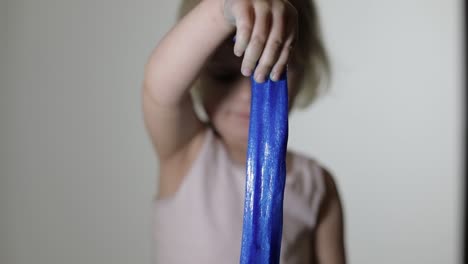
<point x="301" y="160"/>
<point x="311" y="171"/>
<point x="319" y="175"/>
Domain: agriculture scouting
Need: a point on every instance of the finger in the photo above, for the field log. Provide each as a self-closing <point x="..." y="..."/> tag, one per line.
<point x="244" y="26"/>
<point x="258" y="39"/>
<point x="274" y="44"/>
<point x="280" y="65"/>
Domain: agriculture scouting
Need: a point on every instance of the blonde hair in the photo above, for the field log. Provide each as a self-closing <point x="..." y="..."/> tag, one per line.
<point x="310" y="52"/>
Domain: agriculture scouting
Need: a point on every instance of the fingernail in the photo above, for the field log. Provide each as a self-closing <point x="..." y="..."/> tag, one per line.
<point x="260" y="77"/>
<point x="273" y="76"/>
<point x="246" y="71"/>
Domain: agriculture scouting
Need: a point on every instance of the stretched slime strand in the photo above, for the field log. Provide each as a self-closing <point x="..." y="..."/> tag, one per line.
<point x="266" y="172"/>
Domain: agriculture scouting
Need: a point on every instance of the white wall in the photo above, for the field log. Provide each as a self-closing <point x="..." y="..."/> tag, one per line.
<point x="77" y="171"/>
<point x="390" y="129"/>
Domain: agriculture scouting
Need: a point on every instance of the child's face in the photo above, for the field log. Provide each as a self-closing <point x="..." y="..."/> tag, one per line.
<point x="226" y="94"/>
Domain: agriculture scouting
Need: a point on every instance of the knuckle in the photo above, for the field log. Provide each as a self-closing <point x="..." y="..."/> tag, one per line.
<point x="276" y="44"/>
<point x="244" y="27"/>
<point x="248" y="64"/>
<point x="262" y="7"/>
<point x="280" y="65"/>
<point x="278" y="68"/>
<point x="249" y="61"/>
<point x="266" y="65"/>
<point x="258" y="41"/>
<point x="266" y="62"/>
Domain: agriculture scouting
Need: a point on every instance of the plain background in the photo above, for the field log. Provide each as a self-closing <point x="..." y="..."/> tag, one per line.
<point x="78" y="173"/>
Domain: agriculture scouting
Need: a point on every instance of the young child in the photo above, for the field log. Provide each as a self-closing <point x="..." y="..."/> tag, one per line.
<point x="199" y="204"/>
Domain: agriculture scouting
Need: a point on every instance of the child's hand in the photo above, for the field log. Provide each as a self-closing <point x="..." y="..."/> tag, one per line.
<point x="266" y="33"/>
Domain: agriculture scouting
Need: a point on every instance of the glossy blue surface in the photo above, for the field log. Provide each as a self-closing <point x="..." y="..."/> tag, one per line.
<point x="266" y="173"/>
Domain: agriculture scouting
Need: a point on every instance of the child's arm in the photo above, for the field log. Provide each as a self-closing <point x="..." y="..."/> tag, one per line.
<point x="170" y="72"/>
<point x="265" y="33"/>
<point x="329" y="242"/>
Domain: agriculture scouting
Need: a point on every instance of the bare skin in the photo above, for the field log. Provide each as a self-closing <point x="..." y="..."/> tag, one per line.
<point x="265" y="33"/>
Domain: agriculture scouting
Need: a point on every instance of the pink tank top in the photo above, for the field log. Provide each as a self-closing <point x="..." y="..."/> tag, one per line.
<point x="202" y="221"/>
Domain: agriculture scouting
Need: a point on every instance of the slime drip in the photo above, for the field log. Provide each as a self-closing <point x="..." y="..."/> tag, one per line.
<point x="266" y="173"/>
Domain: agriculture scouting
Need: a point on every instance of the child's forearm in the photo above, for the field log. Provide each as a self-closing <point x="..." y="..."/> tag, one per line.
<point x="178" y="58"/>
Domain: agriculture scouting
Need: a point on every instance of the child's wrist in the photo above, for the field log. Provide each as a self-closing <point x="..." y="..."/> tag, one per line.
<point x="218" y="14"/>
